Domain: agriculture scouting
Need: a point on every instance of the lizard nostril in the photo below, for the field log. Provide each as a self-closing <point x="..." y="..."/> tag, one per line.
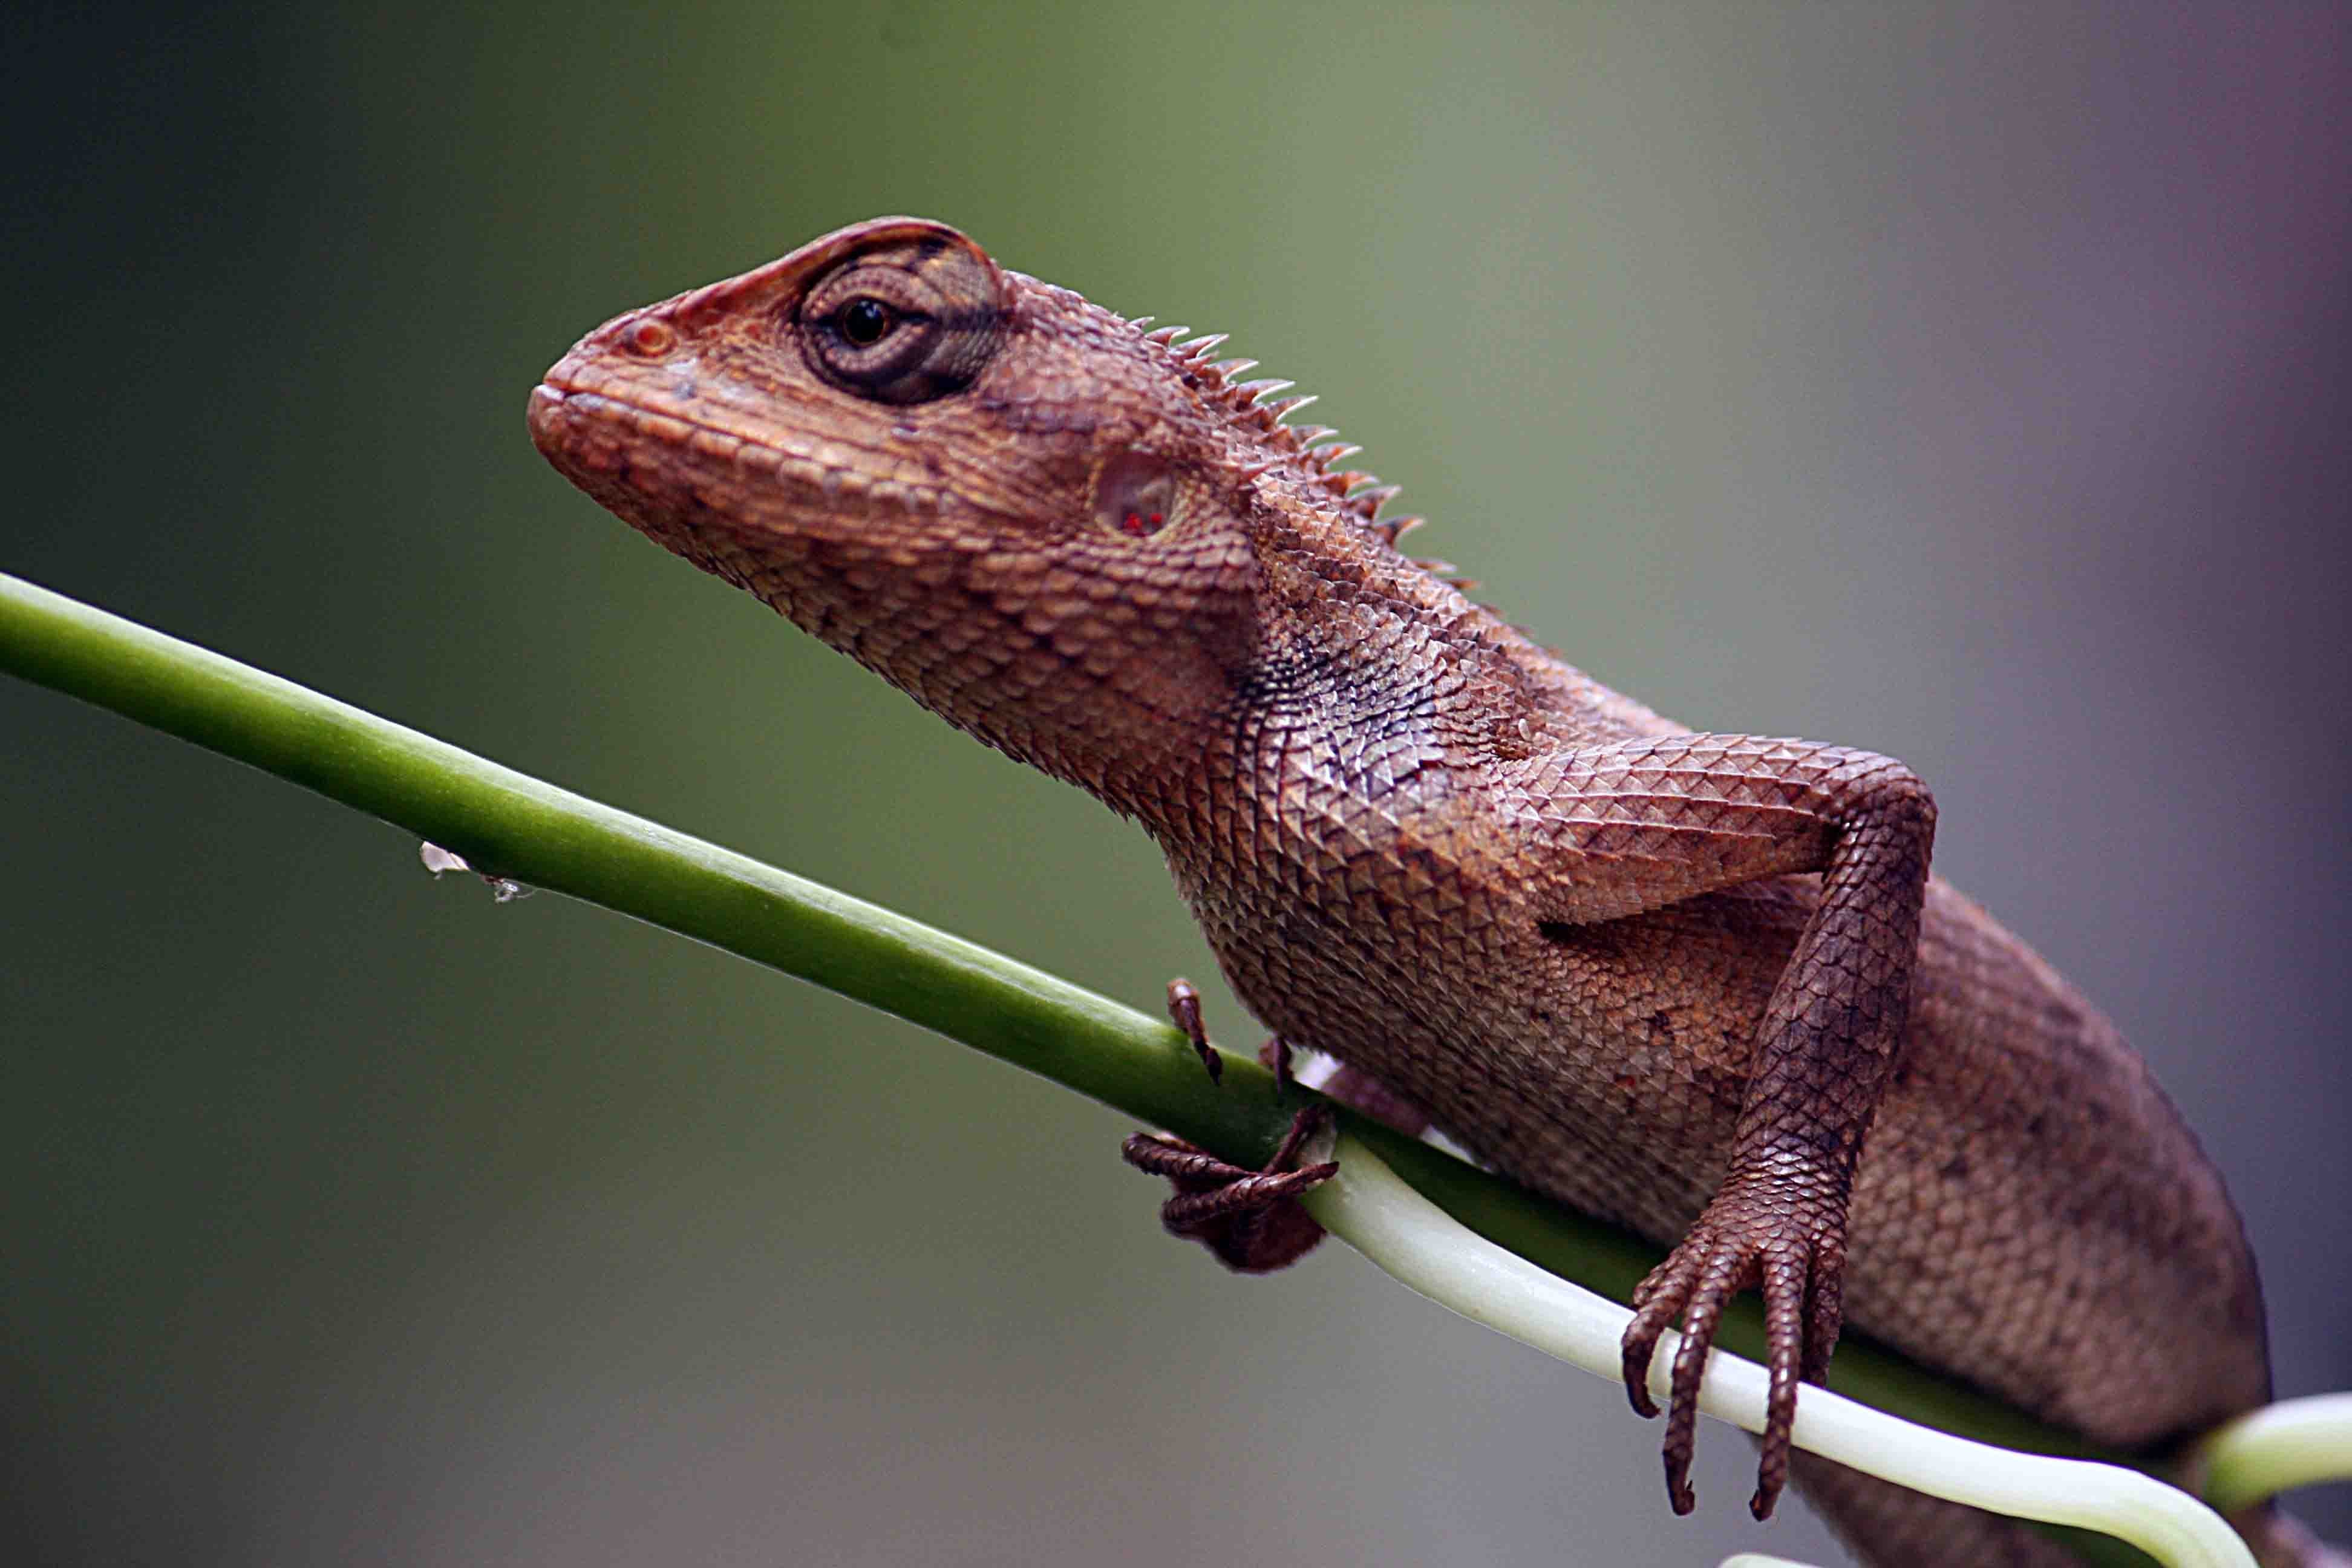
<point x="649" y="338"/>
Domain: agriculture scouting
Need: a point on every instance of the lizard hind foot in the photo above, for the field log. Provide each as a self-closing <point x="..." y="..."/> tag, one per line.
<point x="1251" y="1219"/>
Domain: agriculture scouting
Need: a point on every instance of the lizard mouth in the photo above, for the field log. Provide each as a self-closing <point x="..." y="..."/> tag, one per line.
<point x="577" y="428"/>
<point x="666" y="473"/>
<point x="698" y="491"/>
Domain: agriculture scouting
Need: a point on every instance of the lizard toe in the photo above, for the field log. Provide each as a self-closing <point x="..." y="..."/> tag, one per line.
<point x="1658" y="1301"/>
<point x="1251" y="1220"/>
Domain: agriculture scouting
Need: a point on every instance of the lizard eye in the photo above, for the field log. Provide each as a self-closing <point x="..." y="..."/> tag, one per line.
<point x="908" y="324"/>
<point x="863" y="321"/>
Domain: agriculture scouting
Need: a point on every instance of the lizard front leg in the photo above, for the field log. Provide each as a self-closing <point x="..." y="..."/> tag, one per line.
<point x="1624" y="829"/>
<point x="1250" y="1220"/>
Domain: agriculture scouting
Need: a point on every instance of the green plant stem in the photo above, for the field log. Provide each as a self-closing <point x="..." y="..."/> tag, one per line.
<point x="510" y="824"/>
<point x="2295" y="1443"/>
<point x="1421" y="1246"/>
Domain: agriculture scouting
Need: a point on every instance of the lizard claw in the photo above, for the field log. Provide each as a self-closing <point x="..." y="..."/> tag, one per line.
<point x="1184" y="1012"/>
<point x="1250" y="1220"/>
<point x="1771" y="1235"/>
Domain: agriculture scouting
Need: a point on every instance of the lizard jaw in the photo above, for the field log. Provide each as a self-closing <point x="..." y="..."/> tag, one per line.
<point x="599" y="436"/>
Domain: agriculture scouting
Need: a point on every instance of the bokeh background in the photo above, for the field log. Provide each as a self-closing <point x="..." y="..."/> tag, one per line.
<point x="1970" y="383"/>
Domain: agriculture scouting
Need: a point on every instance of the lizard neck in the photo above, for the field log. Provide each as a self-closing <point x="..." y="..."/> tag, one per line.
<point x="1105" y="695"/>
<point x="1364" y="692"/>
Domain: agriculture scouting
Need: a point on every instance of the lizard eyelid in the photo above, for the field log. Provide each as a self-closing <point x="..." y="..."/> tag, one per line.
<point x="901" y="328"/>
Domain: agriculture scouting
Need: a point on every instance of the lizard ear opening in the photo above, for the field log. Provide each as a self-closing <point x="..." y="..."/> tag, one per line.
<point x="1135" y="495"/>
<point x="905" y="322"/>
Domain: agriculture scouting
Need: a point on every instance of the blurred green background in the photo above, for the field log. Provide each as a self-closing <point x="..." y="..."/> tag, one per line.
<point x="1968" y="382"/>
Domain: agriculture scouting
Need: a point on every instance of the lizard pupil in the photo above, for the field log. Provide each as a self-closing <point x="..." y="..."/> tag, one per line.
<point x="866" y="321"/>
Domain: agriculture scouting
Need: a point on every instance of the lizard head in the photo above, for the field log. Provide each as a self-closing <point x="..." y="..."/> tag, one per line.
<point x="1039" y="520"/>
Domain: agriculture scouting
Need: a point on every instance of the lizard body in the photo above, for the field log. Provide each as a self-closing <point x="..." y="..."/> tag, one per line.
<point x="1702" y="985"/>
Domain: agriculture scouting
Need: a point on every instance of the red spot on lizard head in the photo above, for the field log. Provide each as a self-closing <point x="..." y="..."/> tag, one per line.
<point x="1134" y="494"/>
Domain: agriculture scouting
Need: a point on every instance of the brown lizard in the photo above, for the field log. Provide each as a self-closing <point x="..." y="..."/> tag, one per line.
<point x="1702" y="985"/>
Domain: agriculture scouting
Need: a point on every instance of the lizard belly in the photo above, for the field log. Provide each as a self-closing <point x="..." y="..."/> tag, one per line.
<point x="1604" y="1066"/>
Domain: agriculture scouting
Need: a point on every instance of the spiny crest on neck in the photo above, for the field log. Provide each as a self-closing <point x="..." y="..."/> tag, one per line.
<point x="1259" y="409"/>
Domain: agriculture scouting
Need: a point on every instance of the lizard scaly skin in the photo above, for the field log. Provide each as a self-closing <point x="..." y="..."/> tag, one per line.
<point x="1699" y="984"/>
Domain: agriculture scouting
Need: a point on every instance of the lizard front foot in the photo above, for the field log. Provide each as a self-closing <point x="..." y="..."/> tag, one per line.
<point x="1776" y="1234"/>
<point x="1251" y="1219"/>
